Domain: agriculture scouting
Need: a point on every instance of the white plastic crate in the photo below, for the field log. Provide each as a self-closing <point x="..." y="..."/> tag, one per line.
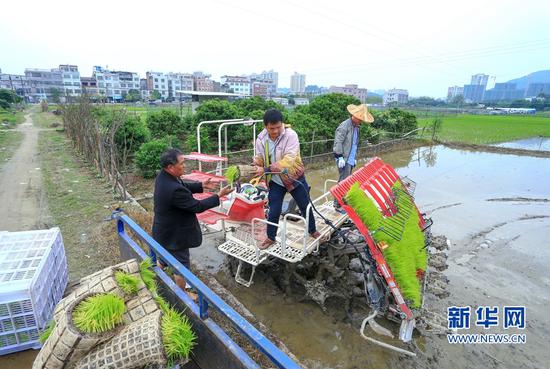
<point x="33" y="277"/>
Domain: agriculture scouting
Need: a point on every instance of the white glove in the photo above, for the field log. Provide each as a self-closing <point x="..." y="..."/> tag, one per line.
<point x="341" y="163"/>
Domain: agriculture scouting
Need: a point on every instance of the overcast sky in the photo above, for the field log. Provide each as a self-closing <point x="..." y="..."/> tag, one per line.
<point x="422" y="46"/>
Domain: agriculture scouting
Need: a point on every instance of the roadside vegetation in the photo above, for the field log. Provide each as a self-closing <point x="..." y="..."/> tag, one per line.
<point x="78" y="201"/>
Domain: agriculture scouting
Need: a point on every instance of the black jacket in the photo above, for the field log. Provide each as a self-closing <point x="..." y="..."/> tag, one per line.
<point x="175" y="225"/>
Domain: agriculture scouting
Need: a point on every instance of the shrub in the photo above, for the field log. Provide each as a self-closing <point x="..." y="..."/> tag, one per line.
<point x="132" y="134"/>
<point x="99" y="313"/>
<point x="165" y="122"/>
<point x="148" y="156"/>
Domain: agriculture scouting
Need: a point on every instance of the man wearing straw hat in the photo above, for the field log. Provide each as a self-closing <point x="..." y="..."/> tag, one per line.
<point x="346" y="139"/>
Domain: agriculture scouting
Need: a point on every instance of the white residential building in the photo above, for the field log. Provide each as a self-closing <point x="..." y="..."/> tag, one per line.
<point x="301" y="101"/>
<point x="280" y="100"/>
<point x="298" y="83"/>
<point x="178" y="82"/>
<point x="114" y="85"/>
<point x="396" y="96"/>
<point x="71" y="80"/>
<point x="239" y="84"/>
<point x="157" y="81"/>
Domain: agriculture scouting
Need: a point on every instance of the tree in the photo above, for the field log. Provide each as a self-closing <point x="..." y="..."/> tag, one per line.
<point x="148" y="157"/>
<point x="132" y="95"/>
<point x="155" y="95"/>
<point x="395" y="121"/>
<point x="165" y="122"/>
<point x="458" y="100"/>
<point x="7" y="98"/>
<point x="56" y="95"/>
<point x="216" y="109"/>
<point x="329" y="110"/>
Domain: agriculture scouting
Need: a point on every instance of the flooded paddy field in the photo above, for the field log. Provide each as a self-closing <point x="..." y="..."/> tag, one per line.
<point x="494" y="209"/>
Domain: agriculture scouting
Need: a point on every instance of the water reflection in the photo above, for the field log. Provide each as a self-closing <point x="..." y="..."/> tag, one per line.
<point x="533" y="143"/>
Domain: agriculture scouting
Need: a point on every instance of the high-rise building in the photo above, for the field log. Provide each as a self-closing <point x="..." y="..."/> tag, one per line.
<point x="476" y="89"/>
<point x="480" y="79"/>
<point x="352" y="90"/>
<point x="454" y="91"/>
<point x="298" y="83"/>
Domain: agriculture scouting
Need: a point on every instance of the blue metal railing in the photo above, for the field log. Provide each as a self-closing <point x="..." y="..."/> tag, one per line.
<point x="206" y="298"/>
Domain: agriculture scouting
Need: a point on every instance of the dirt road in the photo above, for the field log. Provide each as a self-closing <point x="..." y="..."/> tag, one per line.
<point x="23" y="206"/>
<point x="21" y="194"/>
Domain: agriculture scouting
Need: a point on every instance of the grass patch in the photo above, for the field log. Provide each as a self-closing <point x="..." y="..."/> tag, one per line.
<point x="10" y="119"/>
<point x="9" y="142"/>
<point x="488" y="129"/>
<point x="177" y="336"/>
<point x="76" y="199"/>
<point x="127" y="282"/>
<point x="46" y="333"/>
<point x="98" y="314"/>
<point x="45" y="119"/>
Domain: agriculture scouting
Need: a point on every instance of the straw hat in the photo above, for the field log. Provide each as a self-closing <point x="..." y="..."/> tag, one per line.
<point x="360" y="112"/>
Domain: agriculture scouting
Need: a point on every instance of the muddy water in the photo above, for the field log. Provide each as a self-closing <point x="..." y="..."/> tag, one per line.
<point x="496" y="211"/>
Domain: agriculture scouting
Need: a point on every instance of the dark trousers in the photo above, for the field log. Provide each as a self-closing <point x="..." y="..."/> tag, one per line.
<point x="275" y="201"/>
<point x="344" y="172"/>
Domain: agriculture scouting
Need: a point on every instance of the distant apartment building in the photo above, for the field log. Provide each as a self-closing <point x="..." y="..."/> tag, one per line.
<point x="16" y="83"/>
<point x="396" y="96"/>
<point x="114" y="85"/>
<point x="156" y="81"/>
<point x="280" y="100"/>
<point x="454" y="91"/>
<point x="503" y="92"/>
<point x="535" y="89"/>
<point x="44" y="84"/>
<point x="71" y="80"/>
<point x="202" y="82"/>
<point x="475" y="91"/>
<point x="351" y="90"/>
<point x="301" y="101"/>
<point x="89" y="86"/>
<point x="479" y="79"/>
<point x="238" y="84"/>
<point x="298" y="83"/>
<point x="266" y="80"/>
<point x="315" y="90"/>
<point x="178" y="82"/>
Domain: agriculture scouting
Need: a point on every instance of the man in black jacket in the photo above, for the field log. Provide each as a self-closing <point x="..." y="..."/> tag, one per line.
<point x="175" y="225"/>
